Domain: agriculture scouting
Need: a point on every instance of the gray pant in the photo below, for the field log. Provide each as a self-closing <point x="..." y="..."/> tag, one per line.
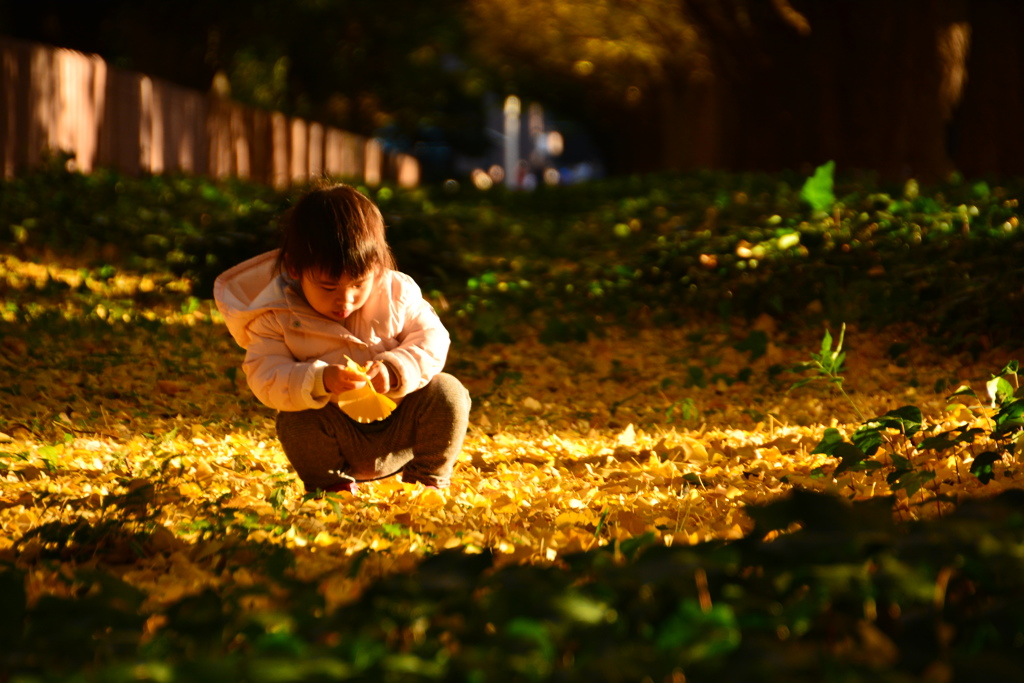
<point x="422" y="438"/>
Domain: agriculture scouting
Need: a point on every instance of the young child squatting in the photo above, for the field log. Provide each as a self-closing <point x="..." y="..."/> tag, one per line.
<point x="330" y="293"/>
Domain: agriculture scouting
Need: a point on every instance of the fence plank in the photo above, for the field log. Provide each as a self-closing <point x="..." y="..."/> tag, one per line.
<point x="59" y="100"/>
<point x="12" y="84"/>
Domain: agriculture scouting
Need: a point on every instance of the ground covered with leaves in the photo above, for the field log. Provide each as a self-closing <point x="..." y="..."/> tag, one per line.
<point x="651" y="487"/>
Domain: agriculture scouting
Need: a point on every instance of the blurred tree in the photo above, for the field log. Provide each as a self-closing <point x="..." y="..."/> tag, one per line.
<point x="987" y="135"/>
<point x="741" y="84"/>
<point x="858" y="81"/>
<point x="620" y="66"/>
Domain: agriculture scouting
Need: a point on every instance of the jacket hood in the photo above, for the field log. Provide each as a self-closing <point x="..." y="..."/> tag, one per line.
<point x="244" y="291"/>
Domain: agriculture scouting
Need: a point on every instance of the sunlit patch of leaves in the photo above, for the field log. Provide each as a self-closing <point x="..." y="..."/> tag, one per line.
<point x="139" y="446"/>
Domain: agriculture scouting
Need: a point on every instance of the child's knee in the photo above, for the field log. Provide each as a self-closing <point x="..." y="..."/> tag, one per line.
<point x="452" y="393"/>
<point x="294" y="427"/>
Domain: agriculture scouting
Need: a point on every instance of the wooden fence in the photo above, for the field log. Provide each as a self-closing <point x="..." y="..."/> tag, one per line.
<point x="53" y="99"/>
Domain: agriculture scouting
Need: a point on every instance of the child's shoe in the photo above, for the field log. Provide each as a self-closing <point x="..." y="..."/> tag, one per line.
<point x="344" y="487"/>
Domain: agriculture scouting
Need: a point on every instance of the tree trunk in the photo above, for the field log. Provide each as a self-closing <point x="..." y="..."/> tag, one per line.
<point x="987" y="134"/>
<point x="863" y="87"/>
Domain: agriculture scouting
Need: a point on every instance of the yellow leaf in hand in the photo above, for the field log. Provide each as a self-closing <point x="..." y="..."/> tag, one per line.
<point x="364" y="404"/>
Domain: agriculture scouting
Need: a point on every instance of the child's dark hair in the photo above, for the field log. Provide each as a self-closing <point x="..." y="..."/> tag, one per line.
<point x="334" y="230"/>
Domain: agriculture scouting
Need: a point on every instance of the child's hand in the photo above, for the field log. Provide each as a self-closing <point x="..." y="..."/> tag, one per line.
<point x="339" y="379"/>
<point x="380" y="376"/>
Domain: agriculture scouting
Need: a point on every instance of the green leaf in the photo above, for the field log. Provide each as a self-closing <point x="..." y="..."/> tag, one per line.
<point x="849" y="454"/>
<point x="802" y="383"/>
<point x="906" y="420"/>
<point x="190" y="305"/>
<point x="983" y="466"/>
<point x="936" y="443"/>
<point x="332" y="500"/>
<point x="867" y="466"/>
<point x="278" y="497"/>
<point x="826" y="345"/>
<point x="817" y="190"/>
<point x="941" y="442"/>
<point x="869" y="437"/>
<point x="394" y="530"/>
<point x="830" y="440"/>
<point x="836" y="365"/>
<point x="686" y="408"/>
<point x="1009" y="418"/>
<point x="912" y="481"/>
<point x="908" y="417"/>
<point x="967" y="435"/>
<point x="600" y="523"/>
<point x="962" y="391"/>
<point x="900" y="465"/>
<point x="999" y="391"/>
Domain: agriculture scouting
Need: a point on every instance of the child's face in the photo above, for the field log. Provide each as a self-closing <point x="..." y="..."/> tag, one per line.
<point x="336" y="299"/>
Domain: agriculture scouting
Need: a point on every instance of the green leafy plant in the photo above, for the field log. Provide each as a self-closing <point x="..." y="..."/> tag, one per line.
<point x="817" y="190"/>
<point x="709" y="609"/>
<point x="1005" y="409"/>
<point x="827" y="366"/>
<point x="685" y="409"/>
<point x="500" y="262"/>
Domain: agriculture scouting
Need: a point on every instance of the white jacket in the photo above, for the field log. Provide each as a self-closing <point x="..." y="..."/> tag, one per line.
<point x="288" y="344"/>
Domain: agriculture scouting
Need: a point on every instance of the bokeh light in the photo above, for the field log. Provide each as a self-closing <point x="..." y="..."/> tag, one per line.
<point x="481" y="179"/>
<point x="555" y="143"/>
